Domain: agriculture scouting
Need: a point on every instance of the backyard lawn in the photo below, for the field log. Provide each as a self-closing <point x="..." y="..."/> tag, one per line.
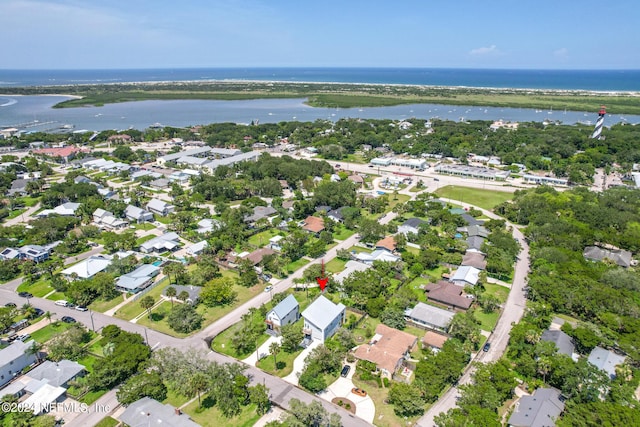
<point x="499" y="291"/>
<point x="487" y="320"/>
<point x="261" y="239"/>
<point x="335" y="265"/>
<point x="486" y="199"/>
<point x="295" y="265"/>
<point x="342" y="233"/>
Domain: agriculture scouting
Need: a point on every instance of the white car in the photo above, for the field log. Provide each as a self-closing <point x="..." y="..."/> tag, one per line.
<point x="268" y="288"/>
<point x="62" y="303"/>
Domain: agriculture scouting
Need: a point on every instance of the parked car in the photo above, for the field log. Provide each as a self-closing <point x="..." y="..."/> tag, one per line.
<point x="38" y="311"/>
<point x="358" y="391"/>
<point x="62" y="303"/>
<point x="268" y="288"/>
<point x="10" y="304"/>
<point x="23" y="337"/>
<point x="25" y="295"/>
<point x="81" y="308"/>
<point x="68" y="319"/>
<point x="266" y="277"/>
<point x="345" y="371"/>
<point x="486" y="347"/>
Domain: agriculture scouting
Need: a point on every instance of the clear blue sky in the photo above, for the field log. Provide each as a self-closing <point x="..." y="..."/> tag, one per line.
<point x="543" y="34"/>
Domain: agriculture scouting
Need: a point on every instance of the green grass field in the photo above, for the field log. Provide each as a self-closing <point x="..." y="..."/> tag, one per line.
<point x="498" y="290"/>
<point x="39" y="288"/>
<point x="267" y="365"/>
<point x="487" y="320"/>
<point x="143" y="239"/>
<point x="336" y="265"/>
<point x="486" y="199"/>
<point x="43" y="335"/>
<point x="107" y="422"/>
<point x="295" y="265"/>
<point x="261" y="239"/>
<point x="212" y="417"/>
<point x="342" y="233"/>
<point x="102" y="306"/>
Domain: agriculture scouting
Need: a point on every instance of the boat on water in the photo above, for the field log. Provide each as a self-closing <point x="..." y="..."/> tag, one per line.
<point x="156" y="126"/>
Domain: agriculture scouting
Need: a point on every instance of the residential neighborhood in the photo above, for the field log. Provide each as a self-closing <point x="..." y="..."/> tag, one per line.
<point x="382" y="294"/>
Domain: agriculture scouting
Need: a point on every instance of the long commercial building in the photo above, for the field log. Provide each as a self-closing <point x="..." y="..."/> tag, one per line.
<point x="466" y="171"/>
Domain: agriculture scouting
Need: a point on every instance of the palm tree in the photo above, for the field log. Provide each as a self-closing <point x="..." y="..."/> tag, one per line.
<point x="108" y="348"/>
<point x="183" y="296"/>
<point x="47" y="315"/>
<point x="198" y="382"/>
<point x="146" y="303"/>
<point x="274" y="349"/>
<point x="34" y="349"/>
<point x="171" y="293"/>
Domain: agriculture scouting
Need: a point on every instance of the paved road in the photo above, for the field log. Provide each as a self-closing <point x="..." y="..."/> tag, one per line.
<point x="512" y="312"/>
<point x="23" y="218"/>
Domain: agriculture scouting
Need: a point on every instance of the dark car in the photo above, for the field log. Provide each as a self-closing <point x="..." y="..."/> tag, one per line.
<point x="486" y="347"/>
<point x="68" y="319"/>
<point x="25" y="295"/>
<point x="345" y="371"/>
<point x="38" y="311"/>
<point x="10" y="304"/>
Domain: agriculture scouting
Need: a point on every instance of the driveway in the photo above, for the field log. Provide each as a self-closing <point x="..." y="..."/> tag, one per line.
<point x="298" y="363"/>
<point x="365" y="408"/>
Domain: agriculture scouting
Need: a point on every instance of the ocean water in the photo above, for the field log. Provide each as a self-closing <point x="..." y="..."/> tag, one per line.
<point x="34" y="113"/>
<point x="600" y="80"/>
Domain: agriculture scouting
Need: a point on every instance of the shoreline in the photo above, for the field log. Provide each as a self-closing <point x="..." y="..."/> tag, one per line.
<point x="353" y="84"/>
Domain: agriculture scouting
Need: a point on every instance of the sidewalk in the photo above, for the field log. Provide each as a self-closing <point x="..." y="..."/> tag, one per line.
<point x="298" y="363"/>
<point x="113" y="310"/>
<point x="263" y="351"/>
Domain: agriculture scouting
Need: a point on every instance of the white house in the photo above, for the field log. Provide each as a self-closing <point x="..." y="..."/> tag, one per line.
<point x="87" y="268"/>
<point x="138" y="279"/>
<point x="106" y="219"/>
<point x="605" y="360"/>
<point x="136" y="214"/>
<point x="275" y="243"/>
<point x="165" y="242"/>
<point x="287" y="311"/>
<point x="466" y="275"/>
<point x="13" y="359"/>
<point x="350" y="267"/>
<point x="160" y="207"/>
<point x="197" y="248"/>
<point x="322" y="319"/>
<point x="65" y="209"/>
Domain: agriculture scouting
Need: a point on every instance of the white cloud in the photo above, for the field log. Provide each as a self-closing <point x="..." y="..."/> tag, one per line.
<point x="561" y="53"/>
<point x="483" y="51"/>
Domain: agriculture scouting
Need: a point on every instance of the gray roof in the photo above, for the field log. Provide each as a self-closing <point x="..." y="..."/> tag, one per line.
<point x="160" y="182"/>
<point x="471" y="220"/>
<point x="619" y="256"/>
<point x="251" y="155"/>
<point x="605" y="360"/>
<point x="475" y="242"/>
<point x="322" y="312"/>
<point x="539" y="410"/>
<point x="56" y="374"/>
<point x="260" y="212"/>
<point x="560" y="339"/>
<point x="157" y="205"/>
<point x="285" y="306"/>
<point x="349" y="268"/>
<point x="413" y="222"/>
<point x="137" y="277"/>
<point x="14" y="351"/>
<point x="18" y="186"/>
<point x="431" y="315"/>
<point x="135" y="212"/>
<point x="185" y="153"/>
<point x="165" y="241"/>
<point x="149" y="412"/>
<point x="193" y="291"/>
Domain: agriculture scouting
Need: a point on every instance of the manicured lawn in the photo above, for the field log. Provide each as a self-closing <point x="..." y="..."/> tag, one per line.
<point x="132" y="309"/>
<point x="394" y="199"/>
<point x="210" y="314"/>
<point x="88" y="361"/>
<point x="92" y="396"/>
<point x="487" y="320"/>
<point x="342" y="233"/>
<point x="16" y="212"/>
<point x="412" y="250"/>
<point x="212" y="417"/>
<point x="39" y="289"/>
<point x="144" y="226"/>
<point x="29" y="201"/>
<point x="44" y="334"/>
<point x="163" y="219"/>
<point x="261" y="239"/>
<point x="359" y="249"/>
<point x="143" y="239"/>
<point x="486" y="199"/>
<point x="222" y="343"/>
<point x="57" y="296"/>
<point x="385" y="417"/>
<point x="291" y="267"/>
<point x="107" y="422"/>
<point x="102" y="306"/>
<point x="175" y="399"/>
<point x="335" y="265"/>
<point x="501" y="292"/>
<point x="267" y="365"/>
